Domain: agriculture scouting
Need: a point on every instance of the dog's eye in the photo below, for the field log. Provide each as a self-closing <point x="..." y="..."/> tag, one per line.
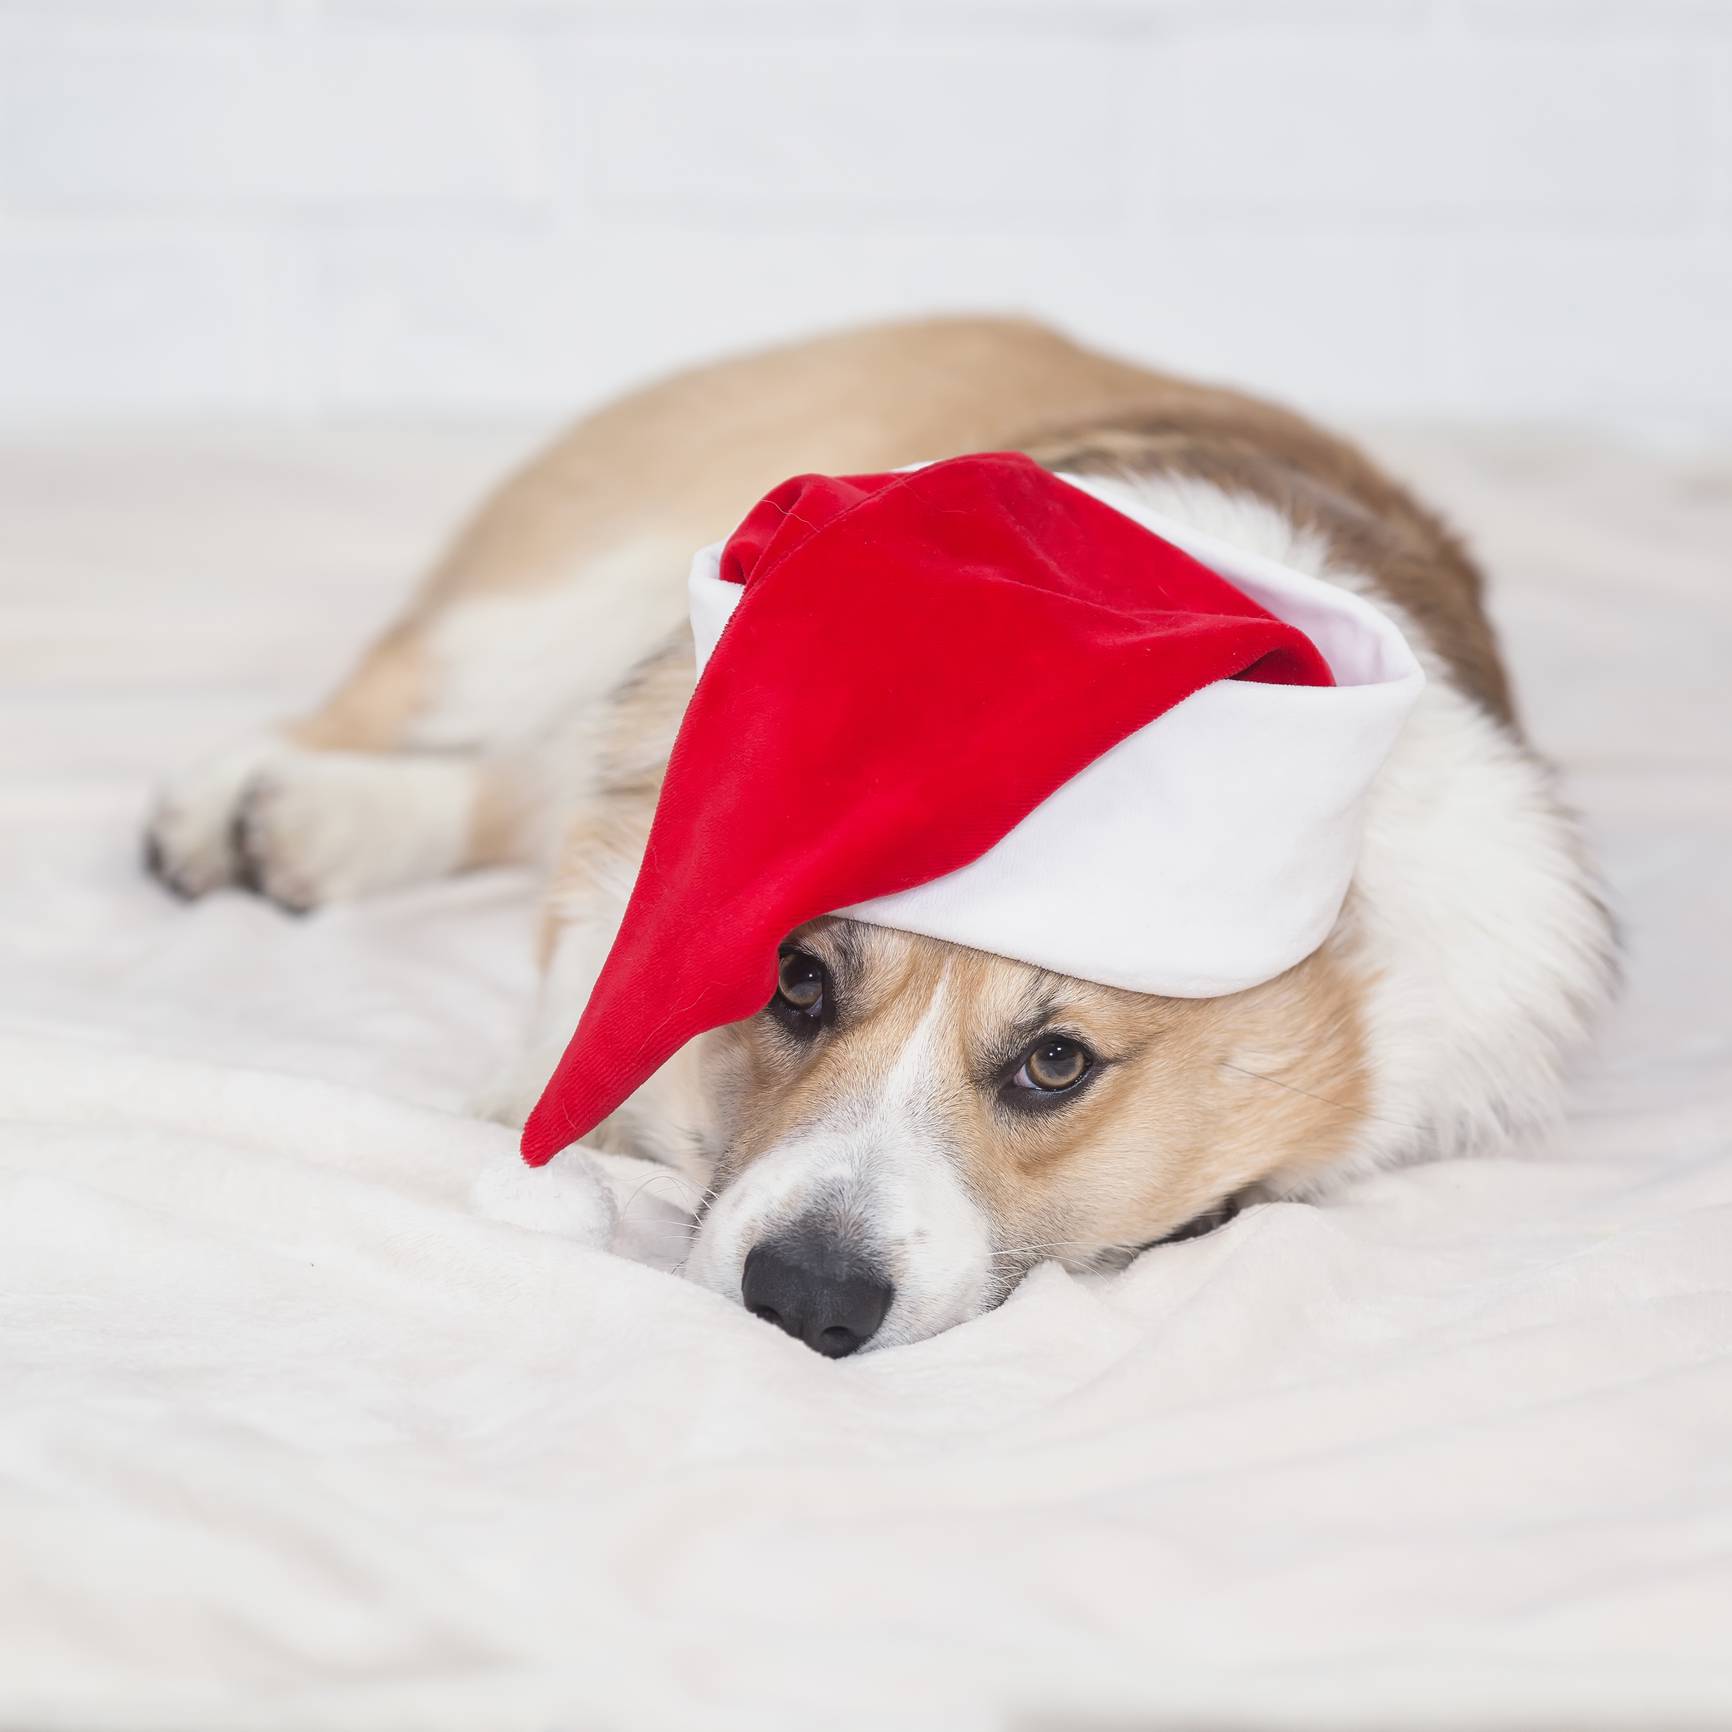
<point x="802" y="987"/>
<point x="1053" y="1064"/>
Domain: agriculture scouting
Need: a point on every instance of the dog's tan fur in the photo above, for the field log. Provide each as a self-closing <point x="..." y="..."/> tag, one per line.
<point x="1196" y="1099"/>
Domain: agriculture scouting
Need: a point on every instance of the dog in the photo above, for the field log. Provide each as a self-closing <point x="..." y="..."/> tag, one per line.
<point x="876" y="1176"/>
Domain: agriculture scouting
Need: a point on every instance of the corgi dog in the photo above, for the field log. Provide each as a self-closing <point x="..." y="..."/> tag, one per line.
<point x="909" y="1124"/>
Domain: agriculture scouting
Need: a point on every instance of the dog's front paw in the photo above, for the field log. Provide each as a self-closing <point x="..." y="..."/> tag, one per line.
<point x="306" y="828"/>
<point x="189" y="838"/>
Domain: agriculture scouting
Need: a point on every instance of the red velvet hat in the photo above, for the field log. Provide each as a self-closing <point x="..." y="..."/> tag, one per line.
<point x="950" y="699"/>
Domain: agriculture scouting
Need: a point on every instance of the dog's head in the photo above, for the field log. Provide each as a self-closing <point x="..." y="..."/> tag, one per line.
<point x="908" y="1126"/>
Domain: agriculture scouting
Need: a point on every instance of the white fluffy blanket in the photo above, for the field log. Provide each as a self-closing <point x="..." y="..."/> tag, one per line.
<point x="293" y="1435"/>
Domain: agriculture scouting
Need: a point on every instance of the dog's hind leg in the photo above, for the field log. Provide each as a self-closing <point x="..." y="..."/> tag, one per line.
<point x="441" y="749"/>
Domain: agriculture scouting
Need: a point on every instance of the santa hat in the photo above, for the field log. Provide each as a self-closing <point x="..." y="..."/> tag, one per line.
<point x="975" y="700"/>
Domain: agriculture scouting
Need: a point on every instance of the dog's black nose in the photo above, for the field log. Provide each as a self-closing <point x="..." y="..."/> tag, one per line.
<point x="817" y="1289"/>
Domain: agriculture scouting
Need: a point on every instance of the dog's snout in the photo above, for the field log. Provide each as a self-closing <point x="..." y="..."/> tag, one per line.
<point x="817" y="1289"/>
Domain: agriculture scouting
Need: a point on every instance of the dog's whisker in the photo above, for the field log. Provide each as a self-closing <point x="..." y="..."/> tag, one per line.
<point x="656" y="1178"/>
<point x="1052" y="1245"/>
<point x="1321" y="1100"/>
<point x="703" y="1193"/>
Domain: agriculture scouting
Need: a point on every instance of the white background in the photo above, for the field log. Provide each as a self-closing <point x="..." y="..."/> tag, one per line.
<point x="1475" y="207"/>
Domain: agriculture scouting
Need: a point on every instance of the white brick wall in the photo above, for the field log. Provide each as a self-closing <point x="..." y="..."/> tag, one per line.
<point x="1511" y="207"/>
